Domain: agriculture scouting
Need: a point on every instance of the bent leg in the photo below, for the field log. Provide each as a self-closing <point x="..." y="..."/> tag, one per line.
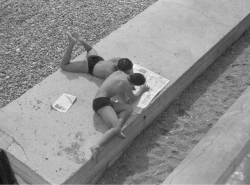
<point x="67" y="55"/>
<point x="109" y="116"/>
<point x="66" y="65"/>
<point x="123" y="111"/>
<point x="90" y="50"/>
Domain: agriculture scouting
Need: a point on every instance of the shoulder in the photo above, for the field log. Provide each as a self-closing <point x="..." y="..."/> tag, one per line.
<point x="120" y="76"/>
<point x="114" y="60"/>
<point x="113" y="74"/>
<point x="119" y="73"/>
<point x="126" y="83"/>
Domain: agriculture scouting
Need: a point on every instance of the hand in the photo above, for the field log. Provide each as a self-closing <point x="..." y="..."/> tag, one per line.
<point x="145" y="88"/>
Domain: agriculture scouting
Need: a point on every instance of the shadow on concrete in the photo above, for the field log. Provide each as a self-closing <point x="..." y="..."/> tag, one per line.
<point x="135" y="162"/>
<point x="99" y="124"/>
<point x="73" y="76"/>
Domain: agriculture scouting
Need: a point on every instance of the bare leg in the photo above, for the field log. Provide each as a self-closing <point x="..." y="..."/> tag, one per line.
<point x="67" y="56"/>
<point x="105" y="138"/>
<point x="123" y="111"/>
<point x="76" y="66"/>
<point x="90" y="50"/>
<point x="123" y="116"/>
<point x="109" y="116"/>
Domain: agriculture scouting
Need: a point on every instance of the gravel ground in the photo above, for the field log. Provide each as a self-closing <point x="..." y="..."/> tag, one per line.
<point x="32" y="35"/>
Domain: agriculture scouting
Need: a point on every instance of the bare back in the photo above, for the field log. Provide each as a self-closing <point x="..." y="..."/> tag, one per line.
<point x="116" y="83"/>
<point x="105" y="68"/>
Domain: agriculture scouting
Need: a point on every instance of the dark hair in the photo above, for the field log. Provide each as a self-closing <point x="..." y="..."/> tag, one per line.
<point x="124" y="64"/>
<point x="137" y="79"/>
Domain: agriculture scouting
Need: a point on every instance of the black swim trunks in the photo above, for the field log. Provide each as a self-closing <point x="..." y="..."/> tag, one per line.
<point x="92" y="61"/>
<point x="101" y="102"/>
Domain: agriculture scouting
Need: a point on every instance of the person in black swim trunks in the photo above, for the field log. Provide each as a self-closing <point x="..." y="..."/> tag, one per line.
<point x="113" y="113"/>
<point x="93" y="63"/>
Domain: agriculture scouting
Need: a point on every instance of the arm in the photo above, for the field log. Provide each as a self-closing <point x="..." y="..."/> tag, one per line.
<point x="123" y="97"/>
<point x="137" y="95"/>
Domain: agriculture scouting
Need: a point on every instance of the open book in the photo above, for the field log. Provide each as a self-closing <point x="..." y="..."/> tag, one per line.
<point x="63" y="103"/>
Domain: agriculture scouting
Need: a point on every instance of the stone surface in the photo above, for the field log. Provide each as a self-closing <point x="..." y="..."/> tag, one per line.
<point x="242" y="173"/>
<point x="219" y="150"/>
<point x="177" y="39"/>
<point x="239" y="170"/>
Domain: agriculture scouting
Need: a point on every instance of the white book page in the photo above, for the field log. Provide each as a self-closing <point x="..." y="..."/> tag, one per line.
<point x="64" y="102"/>
<point x="155" y="83"/>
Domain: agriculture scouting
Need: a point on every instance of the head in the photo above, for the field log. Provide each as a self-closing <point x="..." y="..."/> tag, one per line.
<point x="125" y="65"/>
<point x="137" y="79"/>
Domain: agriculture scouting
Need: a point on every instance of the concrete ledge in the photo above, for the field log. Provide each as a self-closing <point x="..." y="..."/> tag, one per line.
<point x="211" y="161"/>
<point x="239" y="167"/>
<point x="177" y="39"/>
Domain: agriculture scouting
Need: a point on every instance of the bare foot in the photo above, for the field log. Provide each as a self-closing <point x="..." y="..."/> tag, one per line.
<point x="72" y="40"/>
<point x="76" y="35"/>
<point x="121" y="135"/>
<point x="95" y="153"/>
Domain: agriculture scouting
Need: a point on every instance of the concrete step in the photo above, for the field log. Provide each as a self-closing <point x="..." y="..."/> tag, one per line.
<point x="215" y="158"/>
<point x="238" y="171"/>
<point x="177" y="39"/>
